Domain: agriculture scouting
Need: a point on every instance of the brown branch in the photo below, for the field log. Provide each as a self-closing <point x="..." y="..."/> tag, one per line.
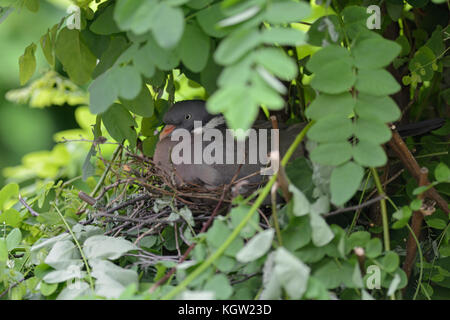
<point x="353" y="208"/>
<point x="399" y="147"/>
<point x="416" y="225"/>
<point x="282" y="179"/>
<point x="25" y="204"/>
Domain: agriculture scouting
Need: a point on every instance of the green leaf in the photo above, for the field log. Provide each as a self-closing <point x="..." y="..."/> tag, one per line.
<point x="422" y="63"/>
<point x="32" y="5"/>
<point x="136" y="16"/>
<point x="291" y="273"/>
<point x="13" y="239"/>
<point x="436" y="223"/>
<point x="240" y="17"/>
<point x="141" y="105"/>
<point x="345" y="181"/>
<point x="162" y="58"/>
<point x="441" y="173"/>
<point x="402" y="215"/>
<point x="27" y="64"/>
<point x="327" y="104"/>
<point x="358" y="239"/>
<point x="231" y="100"/>
<point x="325" y="30"/>
<point x="11" y="217"/>
<point x="209" y="18"/>
<point x="337" y="77"/>
<point x="88" y="168"/>
<point x="76" y="58"/>
<point x="47" y="48"/>
<point x="327" y="55"/>
<point x="119" y="123"/>
<point x="390" y="261"/>
<point x="47" y="289"/>
<point x="264" y="94"/>
<point x="367" y="57"/>
<point x="62" y="255"/>
<point x="297" y="234"/>
<point x="8" y="192"/>
<point x="383" y="108"/>
<point x="373" y="248"/>
<point x="102" y="92"/>
<point x="168" y="25"/>
<point x="118" y="47"/>
<point x="111" y="280"/>
<point x="287" y="11"/>
<point x="104" y="24"/>
<point x="256" y="247"/>
<point x="277" y="62"/>
<point x="321" y="233"/>
<point x="194" y="48"/>
<point x="377" y="82"/>
<point x="220" y="285"/>
<point x="301" y="205"/>
<point x="236" y="45"/>
<point x="283" y="36"/>
<point x="369" y="154"/>
<point x="331" y="128"/>
<point x="372" y="130"/>
<point x="332" y="154"/>
<point x="119" y="81"/>
<point x="104" y="247"/>
<point x="238" y="214"/>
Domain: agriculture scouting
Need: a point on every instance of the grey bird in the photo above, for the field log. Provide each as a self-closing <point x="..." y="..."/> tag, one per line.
<point x="211" y="175"/>
<point x="183" y="115"/>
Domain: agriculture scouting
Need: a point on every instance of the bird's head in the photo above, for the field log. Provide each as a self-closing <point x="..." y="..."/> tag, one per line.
<point x="182" y="116"/>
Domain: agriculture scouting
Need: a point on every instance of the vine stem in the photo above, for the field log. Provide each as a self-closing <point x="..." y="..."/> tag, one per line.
<point x="419" y="281"/>
<point x="376" y="177"/>
<point x="88" y="270"/>
<point x="102" y="178"/>
<point x="265" y="191"/>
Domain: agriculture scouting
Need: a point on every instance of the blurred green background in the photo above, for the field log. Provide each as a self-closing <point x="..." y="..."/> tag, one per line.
<point x="24" y="129"/>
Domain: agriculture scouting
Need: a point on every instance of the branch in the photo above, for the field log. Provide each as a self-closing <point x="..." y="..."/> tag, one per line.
<point x="399" y="147"/>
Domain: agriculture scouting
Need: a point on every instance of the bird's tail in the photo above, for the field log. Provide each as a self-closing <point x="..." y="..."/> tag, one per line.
<point x="421" y="127"/>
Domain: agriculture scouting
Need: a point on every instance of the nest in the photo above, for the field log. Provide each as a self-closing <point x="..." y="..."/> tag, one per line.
<point x="143" y="200"/>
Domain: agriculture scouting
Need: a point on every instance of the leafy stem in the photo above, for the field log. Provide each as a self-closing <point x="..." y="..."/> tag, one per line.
<point x="265" y="191"/>
<point x="376" y="177"/>
<point x="88" y="270"/>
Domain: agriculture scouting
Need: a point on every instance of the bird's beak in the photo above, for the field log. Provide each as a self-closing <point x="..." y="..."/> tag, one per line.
<point x="166" y="131"/>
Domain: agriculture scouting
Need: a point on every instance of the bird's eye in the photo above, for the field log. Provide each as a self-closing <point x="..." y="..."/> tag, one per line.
<point x="188" y="116"/>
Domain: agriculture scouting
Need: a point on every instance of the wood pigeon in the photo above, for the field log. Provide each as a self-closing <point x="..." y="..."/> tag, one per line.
<point x="244" y="160"/>
<point x="184" y="114"/>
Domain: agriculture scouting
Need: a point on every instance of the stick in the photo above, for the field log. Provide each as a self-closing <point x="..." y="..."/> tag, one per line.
<point x="399" y="147"/>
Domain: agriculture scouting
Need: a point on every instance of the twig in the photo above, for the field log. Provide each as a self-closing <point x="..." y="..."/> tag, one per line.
<point x="25" y="204"/>
<point x="273" y="193"/>
<point x="11" y="287"/>
<point x="399" y="147"/>
<point x="357" y="207"/>
<point x="102" y="178"/>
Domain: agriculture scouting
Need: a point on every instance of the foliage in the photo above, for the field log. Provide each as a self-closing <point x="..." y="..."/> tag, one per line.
<point x="130" y="60"/>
